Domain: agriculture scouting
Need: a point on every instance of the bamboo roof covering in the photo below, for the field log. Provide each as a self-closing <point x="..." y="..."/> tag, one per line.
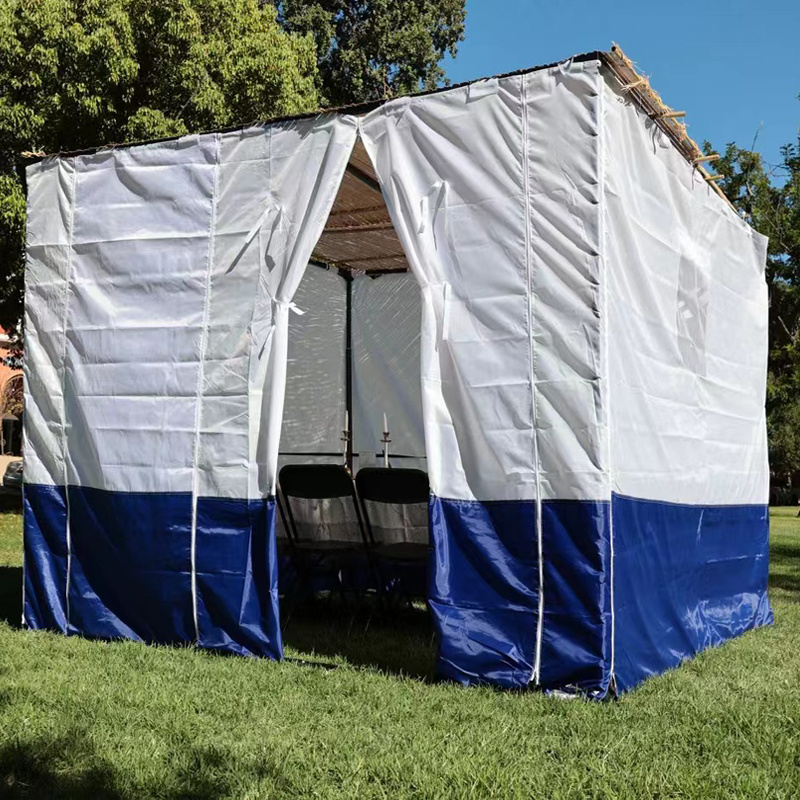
<point x="359" y="235"/>
<point x="638" y="86"/>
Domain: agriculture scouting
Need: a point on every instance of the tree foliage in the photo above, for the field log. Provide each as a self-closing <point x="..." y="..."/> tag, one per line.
<point x="74" y="73"/>
<point x="374" y="49"/>
<point x="770" y="200"/>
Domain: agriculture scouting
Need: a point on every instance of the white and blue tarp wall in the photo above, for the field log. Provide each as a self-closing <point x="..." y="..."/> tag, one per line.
<point x="590" y="392"/>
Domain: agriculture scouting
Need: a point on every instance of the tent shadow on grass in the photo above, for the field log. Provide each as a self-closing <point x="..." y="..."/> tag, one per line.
<point x="396" y="643"/>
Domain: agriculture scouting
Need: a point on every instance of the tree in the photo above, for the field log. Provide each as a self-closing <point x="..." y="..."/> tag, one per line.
<point x="75" y="73"/>
<point x="770" y="201"/>
<point x="376" y="49"/>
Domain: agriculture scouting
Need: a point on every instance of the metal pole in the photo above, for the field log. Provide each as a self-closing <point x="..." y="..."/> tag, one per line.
<point x="348" y="365"/>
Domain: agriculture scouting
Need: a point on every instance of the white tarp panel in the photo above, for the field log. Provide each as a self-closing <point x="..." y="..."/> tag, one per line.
<point x="50" y="198"/>
<point x="299" y="168"/>
<point x="386" y="366"/>
<point x="385" y="320"/>
<point x="498" y="219"/>
<point x="160" y="281"/>
<point x="313" y="416"/>
<point x="687" y="324"/>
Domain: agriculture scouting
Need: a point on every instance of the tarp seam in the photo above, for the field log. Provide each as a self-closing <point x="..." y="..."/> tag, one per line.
<point x="536" y="675"/>
<point x="64" y="437"/>
<point x="252" y="348"/>
<point x="605" y="362"/>
<point x="200" y="379"/>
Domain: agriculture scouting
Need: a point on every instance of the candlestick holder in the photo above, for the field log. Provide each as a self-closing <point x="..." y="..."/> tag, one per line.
<point x="386" y="440"/>
<point x="345" y="440"/>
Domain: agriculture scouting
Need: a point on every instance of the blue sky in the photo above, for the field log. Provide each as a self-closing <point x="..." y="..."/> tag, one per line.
<point x="732" y="65"/>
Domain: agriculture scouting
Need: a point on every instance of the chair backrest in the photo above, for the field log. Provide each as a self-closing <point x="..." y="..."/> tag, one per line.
<point x="315" y="481"/>
<point x="392" y="485"/>
<point x="321" y="503"/>
<point x="395" y="503"/>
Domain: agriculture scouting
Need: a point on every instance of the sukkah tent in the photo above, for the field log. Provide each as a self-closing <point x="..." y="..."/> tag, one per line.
<point x="582" y="336"/>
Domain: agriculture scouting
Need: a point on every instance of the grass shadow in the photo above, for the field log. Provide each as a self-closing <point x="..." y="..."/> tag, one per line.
<point x="69" y="766"/>
<point x="786" y="583"/>
<point x="45" y="768"/>
<point x="11" y="558"/>
<point x="10" y="501"/>
<point x="785" y="555"/>
<point x="784" y="573"/>
<point x="396" y="643"/>
<point x="11" y="596"/>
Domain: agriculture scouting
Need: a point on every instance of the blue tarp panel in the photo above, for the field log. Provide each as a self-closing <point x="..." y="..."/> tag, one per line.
<point x="685" y="578"/>
<point x="130" y="569"/>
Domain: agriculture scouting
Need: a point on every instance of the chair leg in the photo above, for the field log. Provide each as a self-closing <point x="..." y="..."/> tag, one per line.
<point x="290" y="605"/>
<point x="375" y="572"/>
<point x="342" y="593"/>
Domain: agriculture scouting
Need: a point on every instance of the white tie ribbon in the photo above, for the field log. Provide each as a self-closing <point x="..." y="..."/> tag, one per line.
<point x="273" y="204"/>
<point x="424" y="205"/>
<point x="290" y="305"/>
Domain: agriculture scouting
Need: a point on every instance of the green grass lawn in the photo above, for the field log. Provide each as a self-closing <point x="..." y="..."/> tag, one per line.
<point x="123" y="720"/>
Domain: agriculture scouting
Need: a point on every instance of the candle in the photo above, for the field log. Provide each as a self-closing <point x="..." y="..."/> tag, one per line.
<point x="346" y="441"/>
<point x="385" y="424"/>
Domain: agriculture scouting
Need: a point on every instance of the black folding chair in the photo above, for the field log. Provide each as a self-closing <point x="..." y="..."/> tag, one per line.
<point x="327" y="536"/>
<point x="395" y="506"/>
<point x="287" y="570"/>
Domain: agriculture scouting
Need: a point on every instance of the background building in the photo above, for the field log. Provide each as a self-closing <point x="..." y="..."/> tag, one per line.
<point x="10" y="401"/>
